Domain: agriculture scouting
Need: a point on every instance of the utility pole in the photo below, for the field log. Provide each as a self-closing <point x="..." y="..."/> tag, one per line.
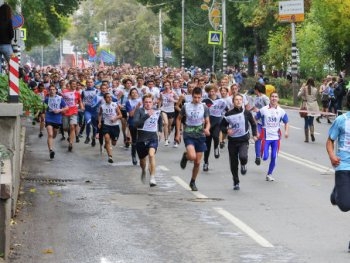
<point x="160" y="40"/>
<point x="183" y="35"/>
<point x="224" y="36"/>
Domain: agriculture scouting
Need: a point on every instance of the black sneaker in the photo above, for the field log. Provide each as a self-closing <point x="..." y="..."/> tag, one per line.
<point x="236" y="187"/>
<point x="257" y="161"/>
<point x="183" y="162"/>
<point x="333" y="202"/>
<point x="87" y="140"/>
<point x="243" y="169"/>
<point x="93" y="142"/>
<point x="193" y="186"/>
<point x="70" y="147"/>
<point x="40" y="134"/>
<point x="205" y="167"/>
<point x="77" y="139"/>
<point x="216" y="153"/>
<point x="222" y="145"/>
<point x="134" y="160"/>
<point x="52" y="154"/>
<point x="318" y="119"/>
<point x="110" y="160"/>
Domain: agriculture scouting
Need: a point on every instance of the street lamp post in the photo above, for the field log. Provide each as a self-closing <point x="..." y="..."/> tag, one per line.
<point x="183" y="35"/>
<point x="224" y="35"/>
<point x="160" y="40"/>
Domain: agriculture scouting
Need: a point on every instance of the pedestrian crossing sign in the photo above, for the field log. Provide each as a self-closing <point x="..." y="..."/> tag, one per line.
<point x="215" y="38"/>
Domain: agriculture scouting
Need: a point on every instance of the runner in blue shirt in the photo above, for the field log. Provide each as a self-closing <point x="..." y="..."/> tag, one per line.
<point x="53" y="117"/>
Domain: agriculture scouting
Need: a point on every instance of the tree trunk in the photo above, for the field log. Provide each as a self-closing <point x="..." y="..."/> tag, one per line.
<point x="251" y="65"/>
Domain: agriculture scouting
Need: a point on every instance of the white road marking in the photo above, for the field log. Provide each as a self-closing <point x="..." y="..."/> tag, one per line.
<point x="163" y="168"/>
<point x="293" y="127"/>
<point x="243" y="227"/>
<point x="187" y="187"/>
<point x="298" y="128"/>
<point x="309" y="164"/>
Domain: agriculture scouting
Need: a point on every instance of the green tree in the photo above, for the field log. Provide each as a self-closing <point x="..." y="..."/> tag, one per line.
<point x="333" y="17"/>
<point x="128" y="23"/>
<point x="45" y="19"/>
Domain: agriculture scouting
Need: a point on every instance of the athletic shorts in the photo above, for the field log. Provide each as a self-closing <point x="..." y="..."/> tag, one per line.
<point x="198" y="143"/>
<point x="69" y="120"/>
<point x="113" y="131"/>
<point x="170" y="115"/>
<point x="54" y="125"/>
<point x="142" y="148"/>
<point x="124" y="114"/>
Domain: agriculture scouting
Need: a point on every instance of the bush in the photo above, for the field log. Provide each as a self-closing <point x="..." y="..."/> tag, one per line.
<point x="31" y="102"/>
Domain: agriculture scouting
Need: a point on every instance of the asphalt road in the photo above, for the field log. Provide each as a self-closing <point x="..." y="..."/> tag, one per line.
<point x="79" y="208"/>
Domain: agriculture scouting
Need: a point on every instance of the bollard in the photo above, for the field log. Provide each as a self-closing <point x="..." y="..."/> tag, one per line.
<point x="5" y="199"/>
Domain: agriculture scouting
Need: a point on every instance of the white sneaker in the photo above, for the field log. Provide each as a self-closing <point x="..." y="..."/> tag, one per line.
<point x="152" y="181"/>
<point x="175" y="145"/>
<point x="269" y="178"/>
<point x="166" y="143"/>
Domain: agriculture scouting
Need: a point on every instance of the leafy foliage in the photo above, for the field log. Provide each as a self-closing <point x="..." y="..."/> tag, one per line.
<point x="31" y="101"/>
<point x="129" y="26"/>
<point x="46" y="19"/>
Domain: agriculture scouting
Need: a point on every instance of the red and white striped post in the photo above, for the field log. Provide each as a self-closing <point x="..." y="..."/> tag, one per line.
<point x="14" y="80"/>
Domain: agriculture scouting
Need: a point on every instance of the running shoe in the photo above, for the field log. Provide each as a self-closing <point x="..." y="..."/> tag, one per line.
<point x="257" y="161"/>
<point x="52" y="154"/>
<point x="193" y="186"/>
<point x="143" y="176"/>
<point x="222" y="145"/>
<point x="87" y="140"/>
<point x="205" y="167"/>
<point x="70" y="147"/>
<point x="166" y="143"/>
<point x="152" y="181"/>
<point x="216" y="153"/>
<point x="110" y="160"/>
<point x="175" y="145"/>
<point x="183" y="161"/>
<point x="40" y="134"/>
<point x="134" y="160"/>
<point x="243" y="169"/>
<point x="77" y="139"/>
<point x="236" y="187"/>
<point x="269" y="178"/>
<point x="93" y="142"/>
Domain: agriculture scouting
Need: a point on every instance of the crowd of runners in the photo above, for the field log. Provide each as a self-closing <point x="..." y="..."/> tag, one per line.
<point x="146" y="107"/>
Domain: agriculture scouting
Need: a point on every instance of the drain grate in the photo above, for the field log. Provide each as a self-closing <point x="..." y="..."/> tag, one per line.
<point x="47" y="180"/>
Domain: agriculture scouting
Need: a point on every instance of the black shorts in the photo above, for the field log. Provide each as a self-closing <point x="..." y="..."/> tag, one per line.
<point x="171" y="115"/>
<point x="113" y="131"/>
<point x="124" y="114"/>
<point x="142" y="148"/>
<point x="54" y="125"/>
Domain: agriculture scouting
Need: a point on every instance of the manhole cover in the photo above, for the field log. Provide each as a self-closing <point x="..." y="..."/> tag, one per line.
<point x="204" y="199"/>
